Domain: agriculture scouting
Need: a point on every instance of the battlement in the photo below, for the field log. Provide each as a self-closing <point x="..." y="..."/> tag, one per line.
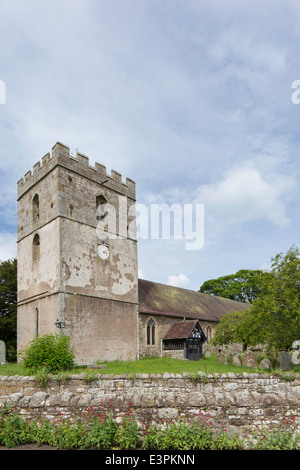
<point x="61" y="156"/>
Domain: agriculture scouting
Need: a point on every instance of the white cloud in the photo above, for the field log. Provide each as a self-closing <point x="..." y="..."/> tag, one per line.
<point x="243" y="196"/>
<point x="170" y="94"/>
<point x="179" y="281"/>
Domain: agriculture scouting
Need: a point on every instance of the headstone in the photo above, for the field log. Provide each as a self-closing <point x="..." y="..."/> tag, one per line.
<point x="222" y="358"/>
<point x="284" y="361"/>
<point x="2" y="352"/>
<point x="207" y="354"/>
<point x="265" y="364"/>
<point x="235" y="359"/>
<point x="249" y="359"/>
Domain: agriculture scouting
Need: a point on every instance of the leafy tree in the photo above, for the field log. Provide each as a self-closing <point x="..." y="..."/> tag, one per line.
<point x="274" y="316"/>
<point x="226" y="331"/>
<point x="242" y="286"/>
<point x="8" y="306"/>
<point x="277" y="310"/>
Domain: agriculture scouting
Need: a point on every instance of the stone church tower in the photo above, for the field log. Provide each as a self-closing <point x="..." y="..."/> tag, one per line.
<point x="77" y="257"/>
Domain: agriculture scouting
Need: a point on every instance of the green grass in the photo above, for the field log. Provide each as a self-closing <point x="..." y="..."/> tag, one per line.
<point x="150" y="365"/>
<point x="158" y="365"/>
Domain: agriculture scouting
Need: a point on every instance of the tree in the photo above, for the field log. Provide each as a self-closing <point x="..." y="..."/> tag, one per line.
<point x="277" y="309"/>
<point x="242" y="286"/>
<point x="227" y="329"/>
<point x="8" y="306"/>
<point x="274" y="315"/>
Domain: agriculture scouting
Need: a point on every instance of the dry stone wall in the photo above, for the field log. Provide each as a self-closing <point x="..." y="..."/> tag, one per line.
<point x="240" y="402"/>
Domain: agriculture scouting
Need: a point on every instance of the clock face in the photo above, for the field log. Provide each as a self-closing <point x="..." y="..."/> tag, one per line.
<point x="103" y="251"/>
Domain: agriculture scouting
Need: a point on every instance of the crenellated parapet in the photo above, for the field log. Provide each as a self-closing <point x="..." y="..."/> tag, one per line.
<point x="61" y="156"/>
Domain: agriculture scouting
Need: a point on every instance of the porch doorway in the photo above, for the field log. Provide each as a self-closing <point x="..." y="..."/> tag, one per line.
<point x="194" y="350"/>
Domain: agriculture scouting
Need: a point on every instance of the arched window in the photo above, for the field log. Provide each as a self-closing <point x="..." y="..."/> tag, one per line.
<point x="100" y="207"/>
<point x="150" y="332"/>
<point x="36" y="247"/>
<point x="35" y="208"/>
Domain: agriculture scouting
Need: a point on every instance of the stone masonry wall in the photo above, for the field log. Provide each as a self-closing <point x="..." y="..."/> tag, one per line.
<point x="240" y="402"/>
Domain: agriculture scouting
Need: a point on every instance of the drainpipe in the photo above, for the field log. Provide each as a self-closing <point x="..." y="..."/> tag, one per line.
<point x="37" y="321"/>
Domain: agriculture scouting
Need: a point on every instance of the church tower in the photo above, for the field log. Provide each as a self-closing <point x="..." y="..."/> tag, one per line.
<point x="77" y="257"/>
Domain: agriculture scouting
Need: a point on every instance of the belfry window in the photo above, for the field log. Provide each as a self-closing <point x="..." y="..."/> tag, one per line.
<point x="150" y="332"/>
<point x="100" y="207"/>
<point x="36" y="208"/>
<point x="36" y="247"/>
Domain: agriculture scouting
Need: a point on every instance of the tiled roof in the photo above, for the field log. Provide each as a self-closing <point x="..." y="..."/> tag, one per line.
<point x="181" y="329"/>
<point x="162" y="299"/>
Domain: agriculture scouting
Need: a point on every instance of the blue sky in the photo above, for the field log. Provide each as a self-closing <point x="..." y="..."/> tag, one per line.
<point x="189" y="98"/>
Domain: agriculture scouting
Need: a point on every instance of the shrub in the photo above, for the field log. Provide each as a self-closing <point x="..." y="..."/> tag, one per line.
<point x="181" y="434"/>
<point x="96" y="429"/>
<point x="127" y="435"/>
<point x="50" y="351"/>
<point x="284" y="437"/>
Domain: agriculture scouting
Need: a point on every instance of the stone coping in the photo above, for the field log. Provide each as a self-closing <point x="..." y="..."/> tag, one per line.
<point x="164" y="376"/>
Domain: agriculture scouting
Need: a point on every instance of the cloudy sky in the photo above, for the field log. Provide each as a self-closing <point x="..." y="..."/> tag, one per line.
<point x="192" y="99"/>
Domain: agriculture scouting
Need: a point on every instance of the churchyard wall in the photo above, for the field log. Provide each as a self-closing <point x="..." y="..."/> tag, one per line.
<point x="240" y="402"/>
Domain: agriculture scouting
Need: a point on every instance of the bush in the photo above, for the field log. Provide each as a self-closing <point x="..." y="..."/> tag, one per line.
<point x="49" y="351"/>
<point x="127" y="435"/>
<point x="99" y="429"/>
<point x="185" y="435"/>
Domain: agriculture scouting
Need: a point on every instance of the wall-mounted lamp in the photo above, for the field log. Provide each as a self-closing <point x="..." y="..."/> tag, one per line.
<point x="59" y="324"/>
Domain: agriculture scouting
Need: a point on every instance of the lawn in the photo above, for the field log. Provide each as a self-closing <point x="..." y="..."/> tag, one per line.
<point x="150" y="365"/>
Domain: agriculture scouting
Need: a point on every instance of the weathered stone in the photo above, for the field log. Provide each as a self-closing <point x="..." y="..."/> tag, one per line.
<point x="65" y="398"/>
<point x="241" y="400"/>
<point x="249" y="359"/>
<point x="147" y="401"/>
<point x="284" y="361"/>
<point x="296" y="344"/>
<point x="38" y="399"/>
<point x="235" y="359"/>
<point x="207" y="355"/>
<point x="2" y="352"/>
<point x="60" y="247"/>
<point x="222" y="358"/>
<point x="196" y="399"/>
<point x="14" y="398"/>
<point x="270" y="400"/>
<point x="265" y="364"/>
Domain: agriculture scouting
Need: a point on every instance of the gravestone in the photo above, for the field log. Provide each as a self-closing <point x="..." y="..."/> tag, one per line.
<point x="284" y="361"/>
<point x="2" y="352"/>
<point x="265" y="364"/>
<point x="249" y="359"/>
<point x="235" y="359"/>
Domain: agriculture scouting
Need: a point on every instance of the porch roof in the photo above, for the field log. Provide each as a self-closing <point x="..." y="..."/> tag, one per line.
<point x="180" y="330"/>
